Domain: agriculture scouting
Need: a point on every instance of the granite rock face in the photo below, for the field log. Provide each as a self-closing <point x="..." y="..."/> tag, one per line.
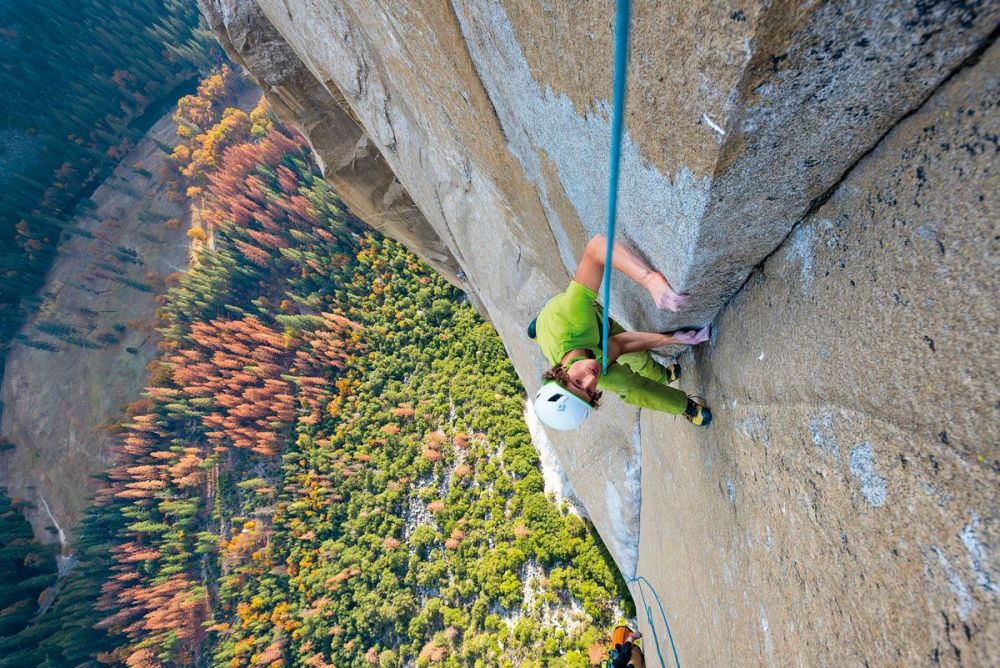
<point x="348" y="157"/>
<point x="477" y="132"/>
<point x="843" y="508"/>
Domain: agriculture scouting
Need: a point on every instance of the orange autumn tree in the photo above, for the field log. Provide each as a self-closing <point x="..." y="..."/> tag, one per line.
<point x="235" y="385"/>
<point x="156" y="610"/>
<point x="237" y="365"/>
<point x="229" y="386"/>
<point x="208" y="123"/>
<point x="242" y="368"/>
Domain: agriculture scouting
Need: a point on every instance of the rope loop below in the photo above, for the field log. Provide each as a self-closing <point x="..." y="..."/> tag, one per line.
<point x="639" y="580"/>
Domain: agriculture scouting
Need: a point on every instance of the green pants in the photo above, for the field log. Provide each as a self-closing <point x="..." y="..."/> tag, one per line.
<point x="640" y="391"/>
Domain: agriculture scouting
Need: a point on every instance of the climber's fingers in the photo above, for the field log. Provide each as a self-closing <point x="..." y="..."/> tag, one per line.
<point x="667" y="299"/>
<point x="702" y="335"/>
<point x="692" y="337"/>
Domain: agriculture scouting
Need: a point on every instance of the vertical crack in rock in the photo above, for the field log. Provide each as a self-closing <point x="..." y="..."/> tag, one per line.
<point x="822" y="199"/>
<point x="455" y="12"/>
<point x="633" y="481"/>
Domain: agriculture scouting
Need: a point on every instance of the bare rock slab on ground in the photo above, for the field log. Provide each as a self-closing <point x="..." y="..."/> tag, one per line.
<point x="58" y="403"/>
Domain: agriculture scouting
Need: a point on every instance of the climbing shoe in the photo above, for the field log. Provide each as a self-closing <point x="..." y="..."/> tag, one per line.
<point x="697" y="414"/>
<point x="673" y="373"/>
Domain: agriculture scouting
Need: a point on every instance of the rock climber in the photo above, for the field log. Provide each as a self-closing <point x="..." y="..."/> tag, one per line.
<point x="568" y="330"/>
<point x="625" y="651"/>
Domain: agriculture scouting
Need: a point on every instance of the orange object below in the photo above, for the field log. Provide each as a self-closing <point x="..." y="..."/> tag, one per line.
<point x="621" y="635"/>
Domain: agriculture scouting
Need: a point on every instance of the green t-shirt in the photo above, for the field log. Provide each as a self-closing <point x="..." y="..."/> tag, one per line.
<point x="573" y="320"/>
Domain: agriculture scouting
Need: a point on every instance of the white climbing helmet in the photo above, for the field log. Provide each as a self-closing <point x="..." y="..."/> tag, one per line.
<point x="559" y="408"/>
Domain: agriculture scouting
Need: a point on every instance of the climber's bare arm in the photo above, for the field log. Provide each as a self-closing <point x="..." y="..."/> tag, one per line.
<point x="591" y="271"/>
<point x="633" y="342"/>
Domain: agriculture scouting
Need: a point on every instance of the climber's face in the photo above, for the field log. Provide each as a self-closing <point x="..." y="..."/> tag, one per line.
<point x="583" y="375"/>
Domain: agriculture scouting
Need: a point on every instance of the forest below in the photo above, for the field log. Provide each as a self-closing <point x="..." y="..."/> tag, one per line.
<point x="77" y="77"/>
<point x="329" y="466"/>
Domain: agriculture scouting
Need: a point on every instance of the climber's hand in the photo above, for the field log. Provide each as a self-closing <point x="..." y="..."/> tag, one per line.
<point x="664" y="295"/>
<point x="692" y="337"/>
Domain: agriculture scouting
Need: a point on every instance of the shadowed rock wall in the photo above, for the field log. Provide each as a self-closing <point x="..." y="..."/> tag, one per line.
<point x="493" y="118"/>
<point x="342" y="147"/>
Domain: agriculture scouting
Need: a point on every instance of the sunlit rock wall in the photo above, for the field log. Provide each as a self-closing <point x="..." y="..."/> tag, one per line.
<point x="843" y="509"/>
<point x="492" y="119"/>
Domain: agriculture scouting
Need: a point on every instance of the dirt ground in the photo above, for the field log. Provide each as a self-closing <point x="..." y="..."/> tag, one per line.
<point x="58" y="405"/>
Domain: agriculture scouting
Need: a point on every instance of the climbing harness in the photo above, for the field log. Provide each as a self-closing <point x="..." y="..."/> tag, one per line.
<point x="639" y="579"/>
<point x="617" y="111"/>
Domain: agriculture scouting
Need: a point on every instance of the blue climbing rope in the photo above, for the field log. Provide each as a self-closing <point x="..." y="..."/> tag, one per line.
<point x="639" y="579"/>
<point x="617" y="111"/>
<point x="622" y="12"/>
